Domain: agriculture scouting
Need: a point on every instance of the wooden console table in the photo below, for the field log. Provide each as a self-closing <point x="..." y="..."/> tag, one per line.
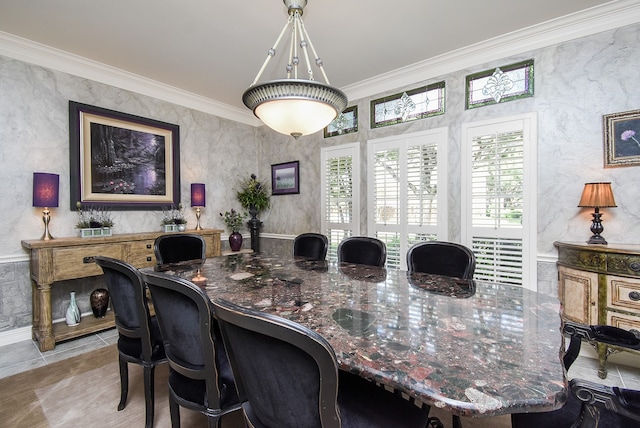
<point x="64" y="258"/>
<point x="600" y="284"/>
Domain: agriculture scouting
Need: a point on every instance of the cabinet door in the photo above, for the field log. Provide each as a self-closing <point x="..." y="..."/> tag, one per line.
<point x="578" y="294"/>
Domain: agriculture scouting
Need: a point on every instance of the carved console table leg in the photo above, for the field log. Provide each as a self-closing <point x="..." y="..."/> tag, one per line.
<point x="42" y="322"/>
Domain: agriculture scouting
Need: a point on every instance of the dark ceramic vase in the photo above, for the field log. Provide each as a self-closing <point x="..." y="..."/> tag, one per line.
<point x="99" y="302"/>
<point x="235" y="241"/>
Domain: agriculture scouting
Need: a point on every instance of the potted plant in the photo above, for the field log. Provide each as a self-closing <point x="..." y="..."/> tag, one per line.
<point x="253" y="195"/>
<point x="173" y="219"/>
<point x="93" y="221"/>
<point x="234" y="219"/>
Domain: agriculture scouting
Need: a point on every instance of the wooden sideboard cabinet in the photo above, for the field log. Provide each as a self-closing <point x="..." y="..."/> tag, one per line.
<point x="64" y="258"/>
<point x="600" y="284"/>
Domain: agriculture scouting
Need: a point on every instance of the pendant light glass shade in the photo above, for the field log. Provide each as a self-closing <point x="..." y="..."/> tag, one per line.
<point x="294" y="106"/>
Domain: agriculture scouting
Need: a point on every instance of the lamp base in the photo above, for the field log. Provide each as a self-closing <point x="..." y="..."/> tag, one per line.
<point x="198" y="227"/>
<point x="597" y="239"/>
<point x="597" y="229"/>
<point x="46" y="218"/>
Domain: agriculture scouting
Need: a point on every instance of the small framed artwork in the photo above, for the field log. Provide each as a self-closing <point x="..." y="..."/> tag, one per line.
<point x="621" y="139"/>
<point x="285" y="178"/>
<point x="122" y="161"/>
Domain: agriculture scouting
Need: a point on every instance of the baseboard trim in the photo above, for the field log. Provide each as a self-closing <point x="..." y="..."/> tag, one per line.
<point x="14" y="336"/>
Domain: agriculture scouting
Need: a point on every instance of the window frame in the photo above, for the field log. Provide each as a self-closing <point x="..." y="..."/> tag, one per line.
<point x="402" y="142"/>
<point x="529" y="125"/>
<point x="326" y="153"/>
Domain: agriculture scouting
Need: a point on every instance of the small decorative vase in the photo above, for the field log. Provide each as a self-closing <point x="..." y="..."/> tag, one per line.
<point x="235" y="241"/>
<point x="72" y="316"/>
<point x="182" y="227"/>
<point x="99" y="302"/>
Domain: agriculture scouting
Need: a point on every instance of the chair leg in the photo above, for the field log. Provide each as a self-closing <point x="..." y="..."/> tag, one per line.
<point x="457" y="422"/>
<point x="434" y="422"/>
<point x="149" y="395"/>
<point x="124" y="383"/>
<point x="213" y="421"/>
<point x="174" y="411"/>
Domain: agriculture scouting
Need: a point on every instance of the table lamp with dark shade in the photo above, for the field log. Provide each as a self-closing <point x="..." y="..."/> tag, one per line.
<point x="597" y="195"/>
<point x="198" y="200"/>
<point x="45" y="195"/>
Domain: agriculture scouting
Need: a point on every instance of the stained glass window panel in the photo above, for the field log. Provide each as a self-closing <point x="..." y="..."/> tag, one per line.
<point x="501" y="84"/>
<point x="407" y="106"/>
<point x="345" y="123"/>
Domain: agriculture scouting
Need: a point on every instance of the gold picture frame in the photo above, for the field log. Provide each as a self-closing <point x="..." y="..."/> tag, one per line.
<point x="621" y="139"/>
<point x="122" y="161"/>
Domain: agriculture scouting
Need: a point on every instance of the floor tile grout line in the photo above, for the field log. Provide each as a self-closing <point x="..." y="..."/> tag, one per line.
<point x="35" y="345"/>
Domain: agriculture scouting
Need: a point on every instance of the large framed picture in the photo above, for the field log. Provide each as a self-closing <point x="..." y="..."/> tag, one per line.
<point x="121" y="161"/>
<point x="622" y="139"/>
<point x="285" y="178"/>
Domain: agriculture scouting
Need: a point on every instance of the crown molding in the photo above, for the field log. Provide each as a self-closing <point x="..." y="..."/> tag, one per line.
<point x="46" y="56"/>
<point x="591" y="21"/>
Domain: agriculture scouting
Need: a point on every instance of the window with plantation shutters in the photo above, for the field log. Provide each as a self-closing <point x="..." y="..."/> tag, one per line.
<point x="340" y="194"/>
<point x="498" y="198"/>
<point x="407" y="197"/>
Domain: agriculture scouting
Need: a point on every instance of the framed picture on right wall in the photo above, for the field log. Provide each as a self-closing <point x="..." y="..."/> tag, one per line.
<point x="621" y="139"/>
<point x="285" y="178"/>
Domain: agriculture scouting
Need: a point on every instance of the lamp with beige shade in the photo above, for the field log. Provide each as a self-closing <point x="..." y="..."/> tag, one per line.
<point x="597" y="195"/>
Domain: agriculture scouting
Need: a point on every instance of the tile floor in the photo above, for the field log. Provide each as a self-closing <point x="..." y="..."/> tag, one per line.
<point x="23" y="356"/>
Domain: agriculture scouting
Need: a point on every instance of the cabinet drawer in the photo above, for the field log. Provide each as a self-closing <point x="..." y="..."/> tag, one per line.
<point x="69" y="261"/>
<point x="623" y="293"/>
<point x="141" y="254"/>
<point x="623" y="264"/>
<point x="624" y="321"/>
<point x="582" y="259"/>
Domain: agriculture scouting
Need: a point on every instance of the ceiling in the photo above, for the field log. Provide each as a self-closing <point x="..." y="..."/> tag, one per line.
<point x="214" y="48"/>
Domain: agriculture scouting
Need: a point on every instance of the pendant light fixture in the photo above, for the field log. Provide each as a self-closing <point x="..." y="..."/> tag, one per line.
<point x="295" y="106"/>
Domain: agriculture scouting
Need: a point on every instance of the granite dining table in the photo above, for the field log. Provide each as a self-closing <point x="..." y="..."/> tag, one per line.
<point x="472" y="348"/>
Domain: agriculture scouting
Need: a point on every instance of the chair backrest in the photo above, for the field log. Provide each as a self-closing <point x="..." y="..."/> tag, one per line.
<point x="189" y="331"/>
<point x="286" y="374"/>
<point x="311" y="245"/>
<point x="362" y="250"/>
<point x="441" y="258"/>
<point x="175" y="248"/>
<point x="128" y="302"/>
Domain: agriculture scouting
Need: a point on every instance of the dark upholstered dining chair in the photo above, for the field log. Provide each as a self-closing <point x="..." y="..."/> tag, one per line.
<point x="179" y="247"/>
<point x="590" y="404"/>
<point x="139" y="340"/>
<point x="200" y="377"/>
<point x="287" y="376"/>
<point x="311" y="245"/>
<point x="441" y="258"/>
<point x="362" y="250"/>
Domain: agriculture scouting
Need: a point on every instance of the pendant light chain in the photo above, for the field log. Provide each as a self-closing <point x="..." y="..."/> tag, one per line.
<point x="292" y="105"/>
<point x="272" y="52"/>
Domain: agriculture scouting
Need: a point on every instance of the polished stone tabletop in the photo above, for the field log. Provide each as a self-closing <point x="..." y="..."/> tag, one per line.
<point x="473" y="348"/>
